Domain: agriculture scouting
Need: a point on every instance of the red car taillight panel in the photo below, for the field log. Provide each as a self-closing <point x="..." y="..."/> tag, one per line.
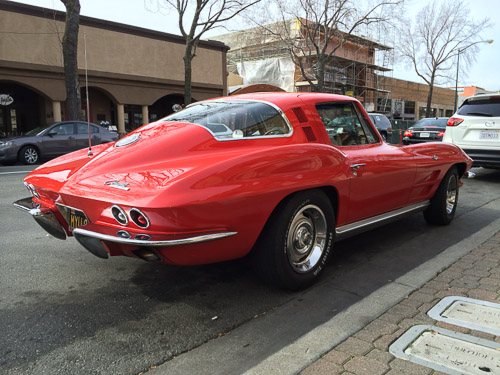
<point x="441" y="133"/>
<point x="454" y="121"/>
<point x="408" y="133"/>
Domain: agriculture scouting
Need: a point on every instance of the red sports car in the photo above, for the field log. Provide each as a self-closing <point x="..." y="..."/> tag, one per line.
<point x="279" y="175"/>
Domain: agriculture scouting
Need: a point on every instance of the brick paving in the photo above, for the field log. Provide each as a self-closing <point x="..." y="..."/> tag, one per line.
<point x="475" y="275"/>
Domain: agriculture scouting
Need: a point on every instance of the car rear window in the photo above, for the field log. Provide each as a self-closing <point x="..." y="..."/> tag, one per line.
<point x="489" y="107"/>
<point x="438" y="122"/>
<point x="228" y="120"/>
<point x="380" y="120"/>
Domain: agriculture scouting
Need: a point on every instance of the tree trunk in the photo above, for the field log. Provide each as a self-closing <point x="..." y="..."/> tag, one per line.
<point x="188" y="58"/>
<point x="70" y="55"/>
<point x="429" y="98"/>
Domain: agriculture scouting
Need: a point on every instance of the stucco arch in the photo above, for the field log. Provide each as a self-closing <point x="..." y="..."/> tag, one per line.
<point x="30" y="85"/>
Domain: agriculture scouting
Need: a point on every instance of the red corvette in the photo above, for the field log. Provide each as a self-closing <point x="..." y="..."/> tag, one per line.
<point x="280" y="175"/>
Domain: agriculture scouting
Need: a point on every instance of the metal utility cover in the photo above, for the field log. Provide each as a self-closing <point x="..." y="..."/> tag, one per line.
<point x="447" y="351"/>
<point x="467" y="312"/>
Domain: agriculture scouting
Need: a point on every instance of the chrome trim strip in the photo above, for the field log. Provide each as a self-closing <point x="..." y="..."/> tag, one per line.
<point x="362" y="224"/>
<point x="182" y="241"/>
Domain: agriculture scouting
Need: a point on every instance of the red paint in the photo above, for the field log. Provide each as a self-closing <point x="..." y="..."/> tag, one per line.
<point x="189" y="184"/>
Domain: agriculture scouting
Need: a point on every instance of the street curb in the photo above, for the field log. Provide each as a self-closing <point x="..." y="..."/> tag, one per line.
<point x="307" y="349"/>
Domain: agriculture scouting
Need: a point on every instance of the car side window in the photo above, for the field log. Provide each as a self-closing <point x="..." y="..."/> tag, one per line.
<point x="344" y="125"/>
<point x="63" y="129"/>
<point x="83" y="128"/>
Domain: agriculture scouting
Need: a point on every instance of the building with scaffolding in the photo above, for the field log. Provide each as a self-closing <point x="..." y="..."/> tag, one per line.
<point x="273" y="54"/>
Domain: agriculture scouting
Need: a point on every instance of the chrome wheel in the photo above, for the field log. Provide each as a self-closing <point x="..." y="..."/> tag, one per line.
<point x="451" y="194"/>
<point x="306" y="238"/>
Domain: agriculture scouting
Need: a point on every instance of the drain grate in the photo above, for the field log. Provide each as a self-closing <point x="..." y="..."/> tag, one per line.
<point x="467" y="312"/>
<point x="447" y="351"/>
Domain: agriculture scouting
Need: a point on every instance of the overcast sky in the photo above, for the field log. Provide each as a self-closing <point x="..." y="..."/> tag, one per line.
<point x="484" y="72"/>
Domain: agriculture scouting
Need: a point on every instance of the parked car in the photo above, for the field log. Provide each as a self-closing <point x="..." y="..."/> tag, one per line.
<point x="476" y="129"/>
<point x="382" y="123"/>
<point x="54" y="140"/>
<point x="426" y="130"/>
<point x="261" y="173"/>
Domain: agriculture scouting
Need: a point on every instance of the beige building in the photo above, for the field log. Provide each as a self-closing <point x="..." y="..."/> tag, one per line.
<point x="408" y="100"/>
<point x="135" y="75"/>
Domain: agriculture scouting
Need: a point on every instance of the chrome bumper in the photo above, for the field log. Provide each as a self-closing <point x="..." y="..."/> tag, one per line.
<point x="128" y="241"/>
<point x="45" y="218"/>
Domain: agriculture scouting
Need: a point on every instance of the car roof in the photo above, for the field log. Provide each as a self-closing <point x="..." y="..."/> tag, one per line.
<point x="290" y="98"/>
<point x="483" y="96"/>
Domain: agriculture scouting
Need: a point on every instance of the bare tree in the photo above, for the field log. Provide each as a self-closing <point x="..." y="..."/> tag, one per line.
<point x="195" y="18"/>
<point x="432" y="43"/>
<point x="313" y="30"/>
<point x="70" y="56"/>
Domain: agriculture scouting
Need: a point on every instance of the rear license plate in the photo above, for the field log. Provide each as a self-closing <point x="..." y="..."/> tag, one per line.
<point x="425" y="135"/>
<point x="77" y="218"/>
<point x="74" y="217"/>
<point x="489" y="134"/>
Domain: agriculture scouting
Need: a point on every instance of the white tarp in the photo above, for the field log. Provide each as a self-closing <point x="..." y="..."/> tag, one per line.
<point x="278" y="71"/>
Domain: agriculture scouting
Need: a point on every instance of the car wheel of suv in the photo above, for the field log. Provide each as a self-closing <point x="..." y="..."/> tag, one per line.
<point x="444" y="203"/>
<point x="295" y="244"/>
<point x="29" y="155"/>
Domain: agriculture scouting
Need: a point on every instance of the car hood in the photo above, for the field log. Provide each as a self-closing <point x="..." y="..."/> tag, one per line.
<point x="20" y="138"/>
<point x="164" y="154"/>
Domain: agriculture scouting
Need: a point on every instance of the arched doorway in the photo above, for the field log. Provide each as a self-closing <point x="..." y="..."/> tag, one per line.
<point x="102" y="106"/>
<point x="22" y="109"/>
<point x="163" y="106"/>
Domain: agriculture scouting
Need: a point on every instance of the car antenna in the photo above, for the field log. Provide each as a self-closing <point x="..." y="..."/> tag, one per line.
<point x="87" y="93"/>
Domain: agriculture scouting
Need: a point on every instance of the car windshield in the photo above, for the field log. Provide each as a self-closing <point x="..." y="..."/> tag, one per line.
<point x="231" y="120"/>
<point x="37" y="130"/>
<point x="488" y="107"/>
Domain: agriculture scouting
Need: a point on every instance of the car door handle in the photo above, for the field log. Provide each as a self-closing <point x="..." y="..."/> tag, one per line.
<point x="355" y="168"/>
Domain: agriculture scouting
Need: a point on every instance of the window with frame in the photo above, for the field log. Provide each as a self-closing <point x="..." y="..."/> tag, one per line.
<point x="409" y="107"/>
<point x="344" y="125"/>
<point x="383" y="105"/>
<point x="82" y="128"/>
<point x="63" y="129"/>
<point x="234" y="120"/>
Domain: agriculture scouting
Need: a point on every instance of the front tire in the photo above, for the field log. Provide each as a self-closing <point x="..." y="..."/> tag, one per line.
<point x="29" y="155"/>
<point x="444" y="203"/>
<point x="294" y="247"/>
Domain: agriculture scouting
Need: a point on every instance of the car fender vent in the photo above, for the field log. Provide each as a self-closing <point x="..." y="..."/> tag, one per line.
<point x="309" y="134"/>
<point x="299" y="113"/>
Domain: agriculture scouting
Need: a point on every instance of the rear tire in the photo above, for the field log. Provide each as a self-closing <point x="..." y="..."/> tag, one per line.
<point x="294" y="247"/>
<point x="444" y="203"/>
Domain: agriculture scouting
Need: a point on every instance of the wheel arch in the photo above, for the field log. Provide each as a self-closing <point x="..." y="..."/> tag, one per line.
<point x="461" y="168"/>
<point x="27" y="145"/>
<point x="330" y="191"/>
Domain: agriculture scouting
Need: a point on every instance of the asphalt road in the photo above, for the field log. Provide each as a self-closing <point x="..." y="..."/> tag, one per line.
<point x="64" y="311"/>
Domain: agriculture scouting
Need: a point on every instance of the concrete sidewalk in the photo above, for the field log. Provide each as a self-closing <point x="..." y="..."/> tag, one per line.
<point x="357" y="340"/>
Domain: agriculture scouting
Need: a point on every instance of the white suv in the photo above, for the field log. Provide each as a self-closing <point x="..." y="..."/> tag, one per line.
<point x="476" y="129"/>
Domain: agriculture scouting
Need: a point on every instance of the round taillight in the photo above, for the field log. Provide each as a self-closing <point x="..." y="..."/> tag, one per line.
<point x="139" y="218"/>
<point x="119" y="215"/>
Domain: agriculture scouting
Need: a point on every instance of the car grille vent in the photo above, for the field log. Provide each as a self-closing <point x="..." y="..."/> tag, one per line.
<point x="299" y="112"/>
<point x="309" y="134"/>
